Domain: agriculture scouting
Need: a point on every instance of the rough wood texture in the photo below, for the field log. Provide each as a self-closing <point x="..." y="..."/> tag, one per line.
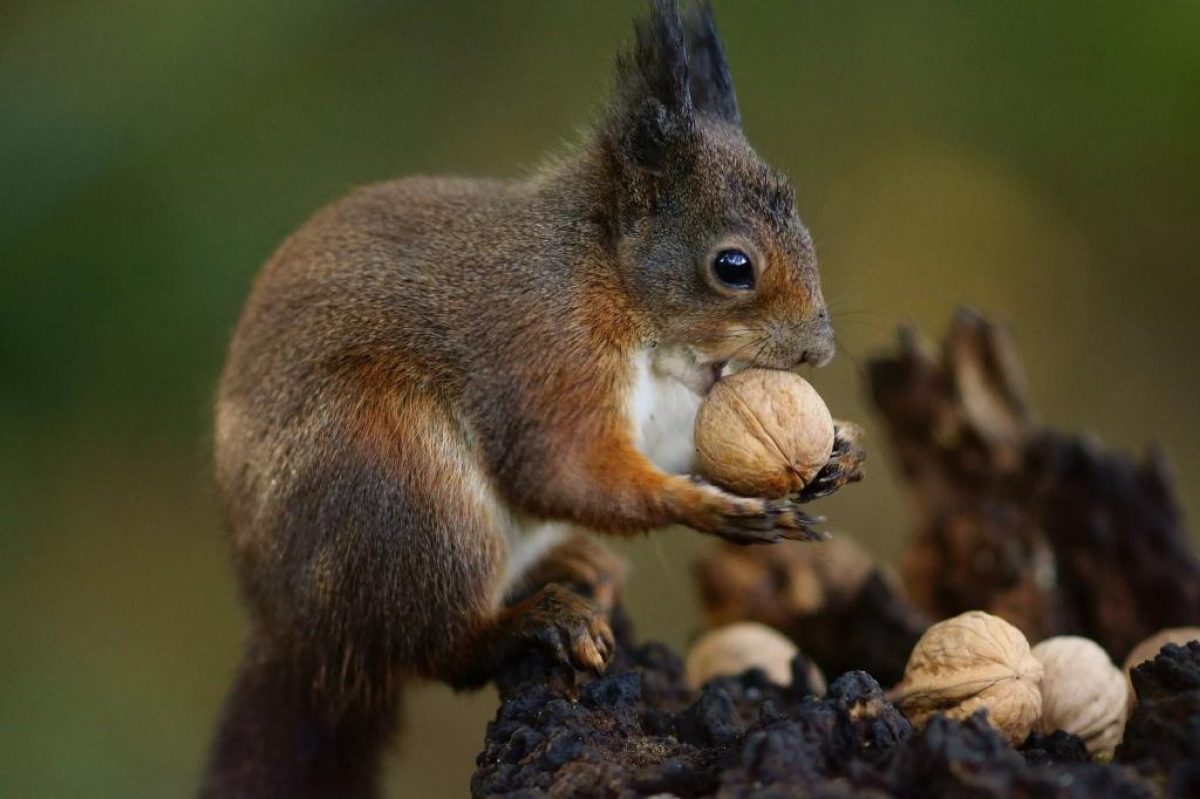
<point x="640" y="731"/>
<point x="1046" y="529"/>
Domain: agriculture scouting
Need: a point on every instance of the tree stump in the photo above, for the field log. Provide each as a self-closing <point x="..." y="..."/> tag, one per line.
<point x="1043" y="528"/>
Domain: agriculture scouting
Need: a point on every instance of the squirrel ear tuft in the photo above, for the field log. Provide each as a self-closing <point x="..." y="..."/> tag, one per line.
<point x="657" y="67"/>
<point x="710" y="84"/>
<point x="654" y="102"/>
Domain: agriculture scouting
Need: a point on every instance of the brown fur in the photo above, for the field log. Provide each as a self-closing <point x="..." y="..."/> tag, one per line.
<point x="428" y="358"/>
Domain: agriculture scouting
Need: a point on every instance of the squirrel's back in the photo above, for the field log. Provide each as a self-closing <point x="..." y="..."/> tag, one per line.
<point x="401" y="264"/>
<point x="423" y="278"/>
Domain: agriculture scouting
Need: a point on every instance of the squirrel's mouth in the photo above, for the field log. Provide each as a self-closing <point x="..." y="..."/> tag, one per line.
<point x="710" y="373"/>
<point x="693" y="369"/>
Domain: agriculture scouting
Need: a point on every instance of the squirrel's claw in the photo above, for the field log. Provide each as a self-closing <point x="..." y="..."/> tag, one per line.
<point x="570" y="628"/>
<point x="844" y="465"/>
<point x="769" y="522"/>
<point x="742" y="520"/>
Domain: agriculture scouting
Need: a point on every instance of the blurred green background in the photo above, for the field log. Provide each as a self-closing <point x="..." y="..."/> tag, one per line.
<point x="1040" y="161"/>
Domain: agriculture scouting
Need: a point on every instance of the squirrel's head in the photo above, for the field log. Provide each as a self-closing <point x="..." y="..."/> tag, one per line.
<point x="704" y="232"/>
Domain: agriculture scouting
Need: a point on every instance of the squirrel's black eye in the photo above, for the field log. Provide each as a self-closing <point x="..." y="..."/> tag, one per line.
<point x="733" y="268"/>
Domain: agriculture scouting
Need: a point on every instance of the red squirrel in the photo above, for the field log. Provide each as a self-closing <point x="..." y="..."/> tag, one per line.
<point x="437" y="384"/>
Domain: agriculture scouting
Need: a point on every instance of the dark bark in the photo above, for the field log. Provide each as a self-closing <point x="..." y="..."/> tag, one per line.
<point x="641" y="732"/>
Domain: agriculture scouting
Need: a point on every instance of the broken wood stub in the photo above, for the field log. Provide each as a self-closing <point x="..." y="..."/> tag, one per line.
<point x="1043" y="528"/>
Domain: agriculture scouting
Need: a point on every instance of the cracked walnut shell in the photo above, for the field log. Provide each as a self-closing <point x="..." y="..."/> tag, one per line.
<point x="763" y="433"/>
<point x="974" y="661"/>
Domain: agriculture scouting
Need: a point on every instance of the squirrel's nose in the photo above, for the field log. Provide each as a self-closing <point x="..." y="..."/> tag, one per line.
<point x="818" y="355"/>
<point x="819" y="344"/>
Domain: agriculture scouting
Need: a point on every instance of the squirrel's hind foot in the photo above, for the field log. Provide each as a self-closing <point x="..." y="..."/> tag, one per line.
<point x="570" y="628"/>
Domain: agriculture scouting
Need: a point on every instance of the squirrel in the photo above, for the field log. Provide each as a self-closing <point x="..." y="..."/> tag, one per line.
<point x="438" y="388"/>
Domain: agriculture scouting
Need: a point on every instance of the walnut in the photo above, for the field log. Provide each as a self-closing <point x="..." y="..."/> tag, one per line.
<point x="763" y="433"/>
<point x="970" y="662"/>
<point x="734" y="648"/>
<point x="1083" y="692"/>
<point x="1149" y="648"/>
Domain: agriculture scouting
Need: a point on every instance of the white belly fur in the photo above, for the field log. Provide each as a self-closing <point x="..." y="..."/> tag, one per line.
<point x="663" y="412"/>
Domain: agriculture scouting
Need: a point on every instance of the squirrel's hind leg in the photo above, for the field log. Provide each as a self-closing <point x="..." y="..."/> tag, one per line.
<point x="581" y="563"/>
<point x="371" y="564"/>
<point x="448" y="559"/>
<point x="569" y="628"/>
<point x="561" y="604"/>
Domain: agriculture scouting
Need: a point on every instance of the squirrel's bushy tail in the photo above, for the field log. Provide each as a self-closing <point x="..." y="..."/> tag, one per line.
<point x="277" y="738"/>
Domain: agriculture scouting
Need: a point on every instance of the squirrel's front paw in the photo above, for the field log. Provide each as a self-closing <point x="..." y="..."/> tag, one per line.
<point x="571" y="628"/>
<point x="844" y="465"/>
<point x="743" y="520"/>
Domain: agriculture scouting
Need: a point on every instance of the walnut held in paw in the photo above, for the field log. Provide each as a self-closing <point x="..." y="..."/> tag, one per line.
<point x="971" y="662"/>
<point x="734" y="648"/>
<point x="763" y="432"/>
<point x="1083" y="693"/>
